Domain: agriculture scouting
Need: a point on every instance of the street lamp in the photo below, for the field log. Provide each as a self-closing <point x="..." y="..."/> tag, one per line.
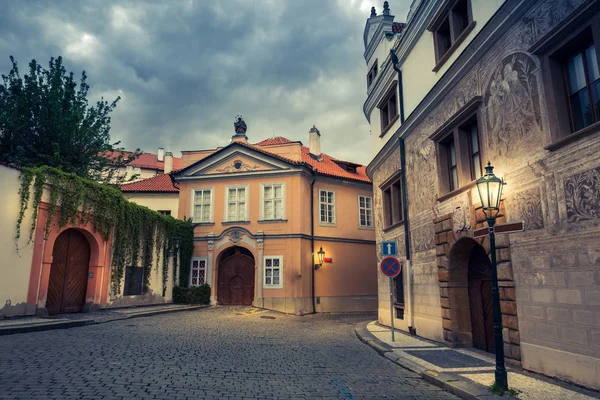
<point x="489" y="187"/>
<point x="176" y="244"/>
<point x="321" y="255"/>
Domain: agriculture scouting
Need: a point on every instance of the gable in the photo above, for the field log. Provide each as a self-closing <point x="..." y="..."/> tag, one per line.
<point x="239" y="162"/>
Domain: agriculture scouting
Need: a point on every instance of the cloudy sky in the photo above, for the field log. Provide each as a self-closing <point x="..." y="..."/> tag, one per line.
<point x="185" y="69"/>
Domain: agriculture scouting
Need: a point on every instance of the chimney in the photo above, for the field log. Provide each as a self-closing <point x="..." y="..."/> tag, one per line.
<point x="161" y="154"/>
<point x="168" y="162"/>
<point x="314" y="141"/>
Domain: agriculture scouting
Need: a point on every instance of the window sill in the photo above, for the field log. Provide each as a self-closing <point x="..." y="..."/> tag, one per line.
<point x="454" y="46"/>
<point x="573" y="137"/>
<point x="328" y="225"/>
<point x="272" y="287"/>
<point x="203" y="223"/>
<point x="456" y="191"/>
<point x="235" y="222"/>
<point x="389" y="228"/>
<point x="272" y="221"/>
<point x="387" y="128"/>
<point x="366" y="228"/>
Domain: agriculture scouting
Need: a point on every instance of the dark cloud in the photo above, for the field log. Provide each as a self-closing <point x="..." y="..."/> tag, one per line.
<point x="185" y="69"/>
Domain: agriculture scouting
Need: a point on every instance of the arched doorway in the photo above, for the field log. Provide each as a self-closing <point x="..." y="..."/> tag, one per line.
<point x="68" y="273"/>
<point x="480" y="299"/>
<point x="235" y="284"/>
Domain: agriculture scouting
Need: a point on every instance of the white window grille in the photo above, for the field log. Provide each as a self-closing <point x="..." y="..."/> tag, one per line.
<point x="198" y="272"/>
<point x="202" y="205"/>
<point x="365" y="211"/>
<point x="327" y="206"/>
<point x="273" y="272"/>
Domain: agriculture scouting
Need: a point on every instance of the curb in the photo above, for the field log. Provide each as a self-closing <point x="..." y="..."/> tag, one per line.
<point x="449" y="382"/>
<point x="84" y="322"/>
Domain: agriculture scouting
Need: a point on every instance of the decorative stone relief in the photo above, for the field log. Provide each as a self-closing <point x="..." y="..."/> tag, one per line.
<point x="237" y="166"/>
<point x="211" y="241"/>
<point x="422" y="237"/>
<point x="388" y="168"/>
<point x="582" y="192"/>
<point x="421" y="175"/>
<point x="460" y="217"/>
<point x="545" y="17"/>
<point x="512" y="103"/>
<point x="527" y="206"/>
<point x="236" y="236"/>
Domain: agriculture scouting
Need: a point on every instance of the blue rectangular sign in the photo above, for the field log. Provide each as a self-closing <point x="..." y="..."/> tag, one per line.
<point x="388" y="248"/>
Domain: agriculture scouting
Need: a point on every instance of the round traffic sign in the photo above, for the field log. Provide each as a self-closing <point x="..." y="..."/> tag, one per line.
<point x="390" y="267"/>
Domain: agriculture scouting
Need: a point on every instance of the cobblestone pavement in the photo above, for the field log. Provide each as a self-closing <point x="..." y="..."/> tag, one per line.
<point x="217" y="353"/>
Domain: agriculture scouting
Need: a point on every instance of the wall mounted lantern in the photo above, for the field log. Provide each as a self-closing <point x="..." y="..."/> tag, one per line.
<point x="175" y="248"/>
<point x="321" y="255"/>
<point x="489" y="187"/>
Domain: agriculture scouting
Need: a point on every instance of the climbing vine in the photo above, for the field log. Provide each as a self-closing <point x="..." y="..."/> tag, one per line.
<point x="139" y="235"/>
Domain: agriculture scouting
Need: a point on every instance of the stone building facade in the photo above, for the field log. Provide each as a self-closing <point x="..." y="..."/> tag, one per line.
<point x="511" y="83"/>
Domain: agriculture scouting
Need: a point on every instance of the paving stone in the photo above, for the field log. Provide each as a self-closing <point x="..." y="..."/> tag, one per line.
<point x="213" y="353"/>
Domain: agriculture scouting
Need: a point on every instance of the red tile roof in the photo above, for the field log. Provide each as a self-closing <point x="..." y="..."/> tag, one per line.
<point x="160" y="183"/>
<point x="273" y="141"/>
<point x="398" y="27"/>
<point x="327" y="166"/>
<point x="149" y="161"/>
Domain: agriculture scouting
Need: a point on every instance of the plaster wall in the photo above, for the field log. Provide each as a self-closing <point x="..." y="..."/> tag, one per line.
<point x="156" y="201"/>
<point x="15" y="267"/>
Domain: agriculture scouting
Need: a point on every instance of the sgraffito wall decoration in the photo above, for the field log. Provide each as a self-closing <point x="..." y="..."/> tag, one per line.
<point x="582" y="193"/>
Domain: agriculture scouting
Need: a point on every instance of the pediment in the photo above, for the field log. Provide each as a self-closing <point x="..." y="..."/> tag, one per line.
<point x="235" y="159"/>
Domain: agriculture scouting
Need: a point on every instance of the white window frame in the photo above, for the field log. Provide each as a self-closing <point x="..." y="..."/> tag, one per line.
<point x="271" y="285"/>
<point x="321" y="222"/>
<point x="199" y="259"/>
<point x="247" y="192"/>
<point x="262" y="201"/>
<point x="211" y="218"/>
<point x="360" y="225"/>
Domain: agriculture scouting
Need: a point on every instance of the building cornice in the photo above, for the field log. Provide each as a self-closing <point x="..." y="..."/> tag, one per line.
<point x="504" y="18"/>
<point x="282" y="236"/>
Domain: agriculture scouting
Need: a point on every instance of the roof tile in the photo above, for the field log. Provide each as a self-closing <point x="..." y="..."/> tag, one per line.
<point x="160" y="183"/>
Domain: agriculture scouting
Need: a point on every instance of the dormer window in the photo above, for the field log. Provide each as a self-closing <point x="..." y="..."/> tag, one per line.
<point x="347" y="166"/>
<point x="372" y="74"/>
<point x="450" y="28"/>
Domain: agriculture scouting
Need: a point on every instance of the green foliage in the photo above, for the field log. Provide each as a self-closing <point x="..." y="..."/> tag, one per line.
<point x="138" y="233"/>
<point x="495" y="389"/>
<point x="45" y="120"/>
<point x="191" y="295"/>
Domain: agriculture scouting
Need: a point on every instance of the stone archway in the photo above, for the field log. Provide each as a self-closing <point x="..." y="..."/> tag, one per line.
<point x="68" y="273"/>
<point x="453" y="254"/>
<point x="235" y="280"/>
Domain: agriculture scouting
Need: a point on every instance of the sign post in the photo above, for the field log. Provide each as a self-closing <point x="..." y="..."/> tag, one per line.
<point x="390" y="267"/>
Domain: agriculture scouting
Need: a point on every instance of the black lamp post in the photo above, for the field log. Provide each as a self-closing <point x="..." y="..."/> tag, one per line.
<point x="176" y="244"/>
<point x="489" y="187"/>
<point x="321" y="255"/>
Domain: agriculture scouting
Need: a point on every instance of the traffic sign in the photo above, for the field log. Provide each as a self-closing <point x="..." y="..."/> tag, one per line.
<point x="390" y="267"/>
<point x="510" y="227"/>
<point x="388" y="249"/>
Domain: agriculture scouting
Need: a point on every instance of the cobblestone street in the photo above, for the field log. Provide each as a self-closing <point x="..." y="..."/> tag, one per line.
<point x="222" y="353"/>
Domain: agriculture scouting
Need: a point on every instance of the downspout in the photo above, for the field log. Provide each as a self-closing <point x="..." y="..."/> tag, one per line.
<point x="312" y="240"/>
<point x="411" y="328"/>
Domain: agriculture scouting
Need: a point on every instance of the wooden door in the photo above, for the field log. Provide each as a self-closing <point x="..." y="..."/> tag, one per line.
<point x="236" y="280"/>
<point x="68" y="273"/>
<point x="480" y="300"/>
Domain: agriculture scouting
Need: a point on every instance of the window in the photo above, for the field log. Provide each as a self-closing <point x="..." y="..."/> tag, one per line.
<point x="198" y="271"/>
<point x="237" y="204"/>
<point x="273" y="201"/>
<point x="392" y="203"/>
<point x="134" y="281"/>
<point x="460" y="158"/>
<point x="450" y="28"/>
<point x="365" y="211"/>
<point x="326" y="207"/>
<point x="372" y="74"/>
<point x="202" y="205"/>
<point x="388" y="110"/>
<point x="164" y="212"/>
<point x="273" y="272"/>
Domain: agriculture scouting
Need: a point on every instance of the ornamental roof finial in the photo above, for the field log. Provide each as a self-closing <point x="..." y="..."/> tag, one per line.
<point x="386" y="8"/>
<point x="373" y="12"/>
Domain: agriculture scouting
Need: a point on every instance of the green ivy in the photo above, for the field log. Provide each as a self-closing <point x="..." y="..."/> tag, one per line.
<point x="139" y="235"/>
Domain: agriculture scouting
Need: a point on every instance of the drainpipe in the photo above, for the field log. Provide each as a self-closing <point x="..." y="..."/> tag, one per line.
<point x="411" y="328"/>
<point x="312" y="240"/>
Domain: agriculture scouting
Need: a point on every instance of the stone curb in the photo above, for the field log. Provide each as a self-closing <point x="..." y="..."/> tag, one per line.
<point x="451" y="383"/>
<point x="83" y="322"/>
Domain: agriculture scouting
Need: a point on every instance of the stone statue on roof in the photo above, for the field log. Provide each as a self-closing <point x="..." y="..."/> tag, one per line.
<point x="240" y="126"/>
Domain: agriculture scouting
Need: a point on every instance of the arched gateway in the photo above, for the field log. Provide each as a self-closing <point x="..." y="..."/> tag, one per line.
<point x="68" y="273"/>
<point x="235" y="282"/>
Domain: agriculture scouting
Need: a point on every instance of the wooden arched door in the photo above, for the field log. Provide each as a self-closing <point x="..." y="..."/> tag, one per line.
<point x="68" y="273"/>
<point x="236" y="280"/>
<point x="480" y="300"/>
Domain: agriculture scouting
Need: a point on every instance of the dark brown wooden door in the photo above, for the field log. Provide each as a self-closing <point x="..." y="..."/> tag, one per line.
<point x="480" y="300"/>
<point x="68" y="273"/>
<point x="236" y="280"/>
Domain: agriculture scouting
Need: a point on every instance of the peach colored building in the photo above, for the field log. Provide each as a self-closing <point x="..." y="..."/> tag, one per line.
<point x="263" y="211"/>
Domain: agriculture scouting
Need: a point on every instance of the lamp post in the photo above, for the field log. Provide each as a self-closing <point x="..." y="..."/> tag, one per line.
<point x="489" y="187"/>
<point x="321" y="255"/>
